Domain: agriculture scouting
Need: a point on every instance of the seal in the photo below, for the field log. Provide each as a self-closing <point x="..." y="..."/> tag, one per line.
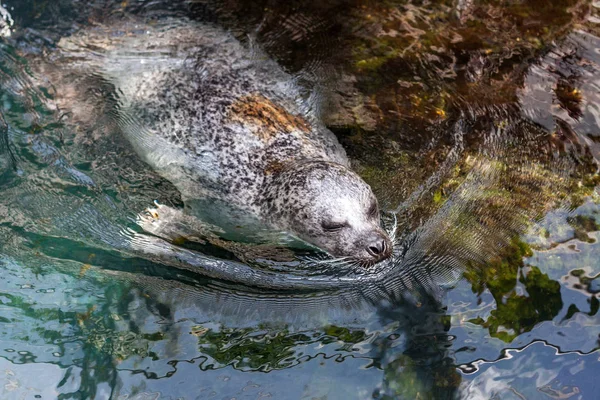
<point x="223" y="122"/>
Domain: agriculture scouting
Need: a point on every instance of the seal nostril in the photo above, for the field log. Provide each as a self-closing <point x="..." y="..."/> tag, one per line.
<point x="377" y="249"/>
<point x="374" y="251"/>
<point x="383" y="245"/>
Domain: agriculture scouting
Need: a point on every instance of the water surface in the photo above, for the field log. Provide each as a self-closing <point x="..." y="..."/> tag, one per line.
<point x="477" y="125"/>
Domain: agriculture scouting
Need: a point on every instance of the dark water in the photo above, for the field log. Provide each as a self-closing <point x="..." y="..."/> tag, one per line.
<point x="477" y="123"/>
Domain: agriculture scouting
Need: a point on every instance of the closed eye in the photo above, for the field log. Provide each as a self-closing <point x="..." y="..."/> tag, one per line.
<point x="373" y="210"/>
<point x="333" y="226"/>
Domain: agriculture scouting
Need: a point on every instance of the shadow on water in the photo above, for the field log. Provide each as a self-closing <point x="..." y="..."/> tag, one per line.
<point x="476" y="123"/>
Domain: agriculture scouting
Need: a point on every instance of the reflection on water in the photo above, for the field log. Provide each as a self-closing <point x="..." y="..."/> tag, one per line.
<point x="477" y="125"/>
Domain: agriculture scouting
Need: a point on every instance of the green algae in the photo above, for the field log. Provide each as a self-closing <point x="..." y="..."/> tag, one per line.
<point x="516" y="311"/>
<point x="583" y="225"/>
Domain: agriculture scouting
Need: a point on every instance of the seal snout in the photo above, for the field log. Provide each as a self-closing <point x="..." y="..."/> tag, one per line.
<point x="379" y="247"/>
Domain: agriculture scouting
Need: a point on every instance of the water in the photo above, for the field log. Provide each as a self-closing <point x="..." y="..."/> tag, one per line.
<point x="476" y="123"/>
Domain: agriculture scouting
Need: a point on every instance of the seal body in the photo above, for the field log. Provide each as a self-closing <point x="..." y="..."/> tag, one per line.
<point x="223" y="122"/>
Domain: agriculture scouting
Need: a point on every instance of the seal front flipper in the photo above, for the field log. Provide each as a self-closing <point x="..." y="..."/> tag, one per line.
<point x="173" y="224"/>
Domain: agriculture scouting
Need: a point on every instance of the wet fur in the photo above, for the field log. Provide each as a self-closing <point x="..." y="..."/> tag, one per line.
<point x="222" y="122"/>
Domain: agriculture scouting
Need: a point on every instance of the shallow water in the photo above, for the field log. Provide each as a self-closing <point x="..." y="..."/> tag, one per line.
<point x="477" y="125"/>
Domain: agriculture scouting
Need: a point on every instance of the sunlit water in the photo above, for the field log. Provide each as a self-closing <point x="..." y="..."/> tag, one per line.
<point x="477" y="125"/>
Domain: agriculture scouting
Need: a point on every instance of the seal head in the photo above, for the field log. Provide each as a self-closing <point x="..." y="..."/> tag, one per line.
<point x="328" y="205"/>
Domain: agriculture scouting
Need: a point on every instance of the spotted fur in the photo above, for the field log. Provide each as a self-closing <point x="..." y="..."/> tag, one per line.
<point x="222" y="122"/>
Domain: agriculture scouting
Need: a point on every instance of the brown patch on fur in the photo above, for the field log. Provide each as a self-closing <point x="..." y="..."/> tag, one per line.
<point x="274" y="167"/>
<point x="265" y="118"/>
